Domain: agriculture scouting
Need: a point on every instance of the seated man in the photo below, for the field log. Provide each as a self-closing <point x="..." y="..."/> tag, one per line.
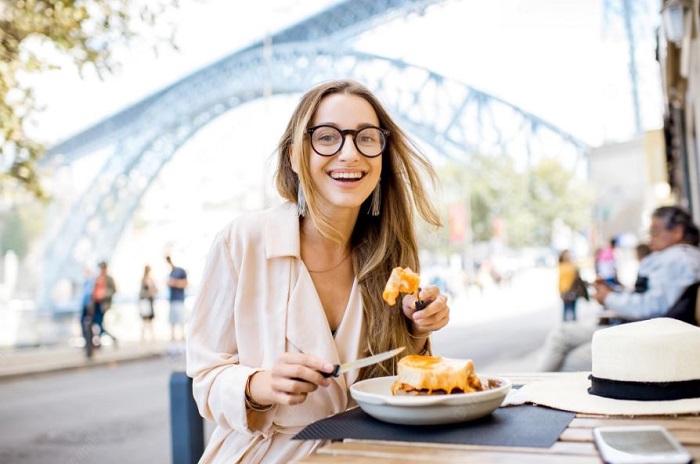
<point x="663" y="276"/>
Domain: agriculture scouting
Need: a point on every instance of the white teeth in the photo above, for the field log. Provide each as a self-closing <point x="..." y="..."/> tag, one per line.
<point x="346" y="175"/>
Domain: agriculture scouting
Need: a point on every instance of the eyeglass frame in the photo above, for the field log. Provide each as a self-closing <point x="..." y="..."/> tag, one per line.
<point x="344" y="133"/>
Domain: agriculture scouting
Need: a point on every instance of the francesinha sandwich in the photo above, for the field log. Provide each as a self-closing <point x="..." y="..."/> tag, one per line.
<point x="435" y="375"/>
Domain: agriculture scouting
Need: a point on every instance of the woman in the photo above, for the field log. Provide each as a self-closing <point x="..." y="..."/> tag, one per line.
<point x="291" y="291"/>
<point x="147" y="294"/>
<point x="568" y="275"/>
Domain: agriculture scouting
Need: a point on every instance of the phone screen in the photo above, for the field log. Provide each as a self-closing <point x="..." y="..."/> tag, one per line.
<point x="638" y="442"/>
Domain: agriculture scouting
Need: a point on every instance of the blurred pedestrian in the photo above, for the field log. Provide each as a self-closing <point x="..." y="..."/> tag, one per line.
<point x="177" y="283"/>
<point x="571" y="286"/>
<point x="87" y="315"/>
<point x="102" y="293"/>
<point x="640" y="284"/>
<point x="147" y="295"/>
<point x="605" y="266"/>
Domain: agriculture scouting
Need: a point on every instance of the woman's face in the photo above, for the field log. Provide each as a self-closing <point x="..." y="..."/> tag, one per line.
<point x="661" y="238"/>
<point x="346" y="179"/>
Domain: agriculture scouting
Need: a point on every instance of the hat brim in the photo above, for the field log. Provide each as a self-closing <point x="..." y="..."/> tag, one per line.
<point x="569" y="392"/>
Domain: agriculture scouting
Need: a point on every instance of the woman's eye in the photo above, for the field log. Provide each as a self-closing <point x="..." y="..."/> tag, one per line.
<point x="327" y="137"/>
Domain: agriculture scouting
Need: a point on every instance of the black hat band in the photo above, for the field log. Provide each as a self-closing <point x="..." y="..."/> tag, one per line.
<point x="644" y="391"/>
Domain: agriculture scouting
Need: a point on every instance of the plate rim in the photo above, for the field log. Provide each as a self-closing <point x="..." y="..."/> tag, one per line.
<point x="437" y="400"/>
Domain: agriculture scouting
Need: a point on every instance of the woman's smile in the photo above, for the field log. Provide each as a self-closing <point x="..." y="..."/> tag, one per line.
<point x="347" y="176"/>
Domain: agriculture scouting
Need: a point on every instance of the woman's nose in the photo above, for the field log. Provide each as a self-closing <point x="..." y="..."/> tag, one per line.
<point x="349" y="149"/>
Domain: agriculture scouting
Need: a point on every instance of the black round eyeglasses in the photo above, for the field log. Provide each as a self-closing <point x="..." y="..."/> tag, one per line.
<point x="326" y="140"/>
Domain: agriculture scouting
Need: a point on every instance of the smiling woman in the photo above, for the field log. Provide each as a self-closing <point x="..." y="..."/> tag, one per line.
<point x="291" y="291"/>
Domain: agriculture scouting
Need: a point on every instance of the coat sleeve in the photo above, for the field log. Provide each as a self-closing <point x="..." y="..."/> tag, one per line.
<point x="212" y="347"/>
<point x="666" y="284"/>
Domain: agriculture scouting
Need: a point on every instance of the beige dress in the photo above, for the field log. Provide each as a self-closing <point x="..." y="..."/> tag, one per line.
<point x="257" y="301"/>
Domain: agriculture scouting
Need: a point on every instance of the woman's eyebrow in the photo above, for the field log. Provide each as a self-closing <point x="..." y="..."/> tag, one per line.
<point x="359" y="126"/>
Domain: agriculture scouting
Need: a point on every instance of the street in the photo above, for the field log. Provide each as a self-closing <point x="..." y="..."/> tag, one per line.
<point x="115" y="414"/>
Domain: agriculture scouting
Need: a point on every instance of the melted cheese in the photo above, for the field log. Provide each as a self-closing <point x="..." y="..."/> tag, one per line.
<point x="431" y="373"/>
<point x="401" y="280"/>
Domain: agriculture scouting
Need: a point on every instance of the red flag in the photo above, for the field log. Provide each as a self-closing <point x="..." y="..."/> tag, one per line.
<point x="458" y="223"/>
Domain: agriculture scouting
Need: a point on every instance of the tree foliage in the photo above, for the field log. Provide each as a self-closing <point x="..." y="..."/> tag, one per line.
<point x="35" y="35"/>
<point x="523" y="202"/>
<point x="20" y="226"/>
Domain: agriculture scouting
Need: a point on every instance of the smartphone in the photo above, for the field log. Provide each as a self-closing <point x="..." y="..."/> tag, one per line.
<point x="650" y="444"/>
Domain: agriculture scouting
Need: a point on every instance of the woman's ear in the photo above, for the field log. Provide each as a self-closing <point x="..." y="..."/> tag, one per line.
<point x="677" y="233"/>
<point x="293" y="159"/>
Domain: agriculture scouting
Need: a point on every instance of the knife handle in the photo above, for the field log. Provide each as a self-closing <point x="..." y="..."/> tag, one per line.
<point x="333" y="373"/>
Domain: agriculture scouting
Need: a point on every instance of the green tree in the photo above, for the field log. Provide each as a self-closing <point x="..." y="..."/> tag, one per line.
<point x="20" y="226"/>
<point x="525" y="202"/>
<point x="556" y="194"/>
<point x="86" y="32"/>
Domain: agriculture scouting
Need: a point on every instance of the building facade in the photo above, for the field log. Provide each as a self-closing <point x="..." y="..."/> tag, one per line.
<point x="679" y="59"/>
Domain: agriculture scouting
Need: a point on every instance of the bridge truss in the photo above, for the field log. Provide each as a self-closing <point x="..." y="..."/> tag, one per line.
<point x="453" y="118"/>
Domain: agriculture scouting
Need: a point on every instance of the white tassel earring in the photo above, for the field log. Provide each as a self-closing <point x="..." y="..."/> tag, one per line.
<point x="301" y="202"/>
<point x="376" y="199"/>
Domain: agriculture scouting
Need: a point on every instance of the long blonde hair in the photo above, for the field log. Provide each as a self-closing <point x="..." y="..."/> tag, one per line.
<point x="381" y="242"/>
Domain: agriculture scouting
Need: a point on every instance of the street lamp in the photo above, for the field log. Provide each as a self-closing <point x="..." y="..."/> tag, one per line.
<point x="674" y="14"/>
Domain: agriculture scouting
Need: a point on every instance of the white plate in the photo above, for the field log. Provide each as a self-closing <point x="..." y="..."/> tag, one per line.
<point x="375" y="398"/>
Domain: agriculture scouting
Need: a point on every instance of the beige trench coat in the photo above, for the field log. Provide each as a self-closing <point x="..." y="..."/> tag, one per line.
<point x="256" y="301"/>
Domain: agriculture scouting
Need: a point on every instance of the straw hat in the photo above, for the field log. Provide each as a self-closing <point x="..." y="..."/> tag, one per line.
<point x="640" y="368"/>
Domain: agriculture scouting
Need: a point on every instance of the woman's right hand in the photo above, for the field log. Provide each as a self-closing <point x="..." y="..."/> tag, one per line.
<point x="290" y="380"/>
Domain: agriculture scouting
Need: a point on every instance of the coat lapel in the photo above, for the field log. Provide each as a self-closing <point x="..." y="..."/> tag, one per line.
<point x="306" y="328"/>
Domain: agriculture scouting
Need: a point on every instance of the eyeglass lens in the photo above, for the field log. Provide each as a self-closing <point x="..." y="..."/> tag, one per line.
<point x="328" y="140"/>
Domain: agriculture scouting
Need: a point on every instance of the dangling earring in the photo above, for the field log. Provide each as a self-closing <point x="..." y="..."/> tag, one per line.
<point x="301" y="202"/>
<point x="376" y="199"/>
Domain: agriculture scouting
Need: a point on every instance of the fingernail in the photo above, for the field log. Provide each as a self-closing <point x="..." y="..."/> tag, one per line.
<point x="328" y="367"/>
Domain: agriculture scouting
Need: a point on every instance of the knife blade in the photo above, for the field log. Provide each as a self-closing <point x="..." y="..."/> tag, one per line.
<point x="362" y="362"/>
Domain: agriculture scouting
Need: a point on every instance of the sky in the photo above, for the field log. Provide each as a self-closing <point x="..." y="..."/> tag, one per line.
<point x="206" y="31"/>
<point x="546" y="56"/>
<point x="557" y="59"/>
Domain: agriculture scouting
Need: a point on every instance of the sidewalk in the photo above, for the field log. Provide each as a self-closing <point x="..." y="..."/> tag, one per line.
<point x="32" y="344"/>
<point x="33" y="361"/>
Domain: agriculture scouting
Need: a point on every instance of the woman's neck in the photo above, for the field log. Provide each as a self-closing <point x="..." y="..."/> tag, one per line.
<point x="342" y="221"/>
<point x="311" y="237"/>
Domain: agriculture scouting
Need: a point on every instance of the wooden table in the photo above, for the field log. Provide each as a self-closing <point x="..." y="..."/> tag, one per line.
<point x="575" y="445"/>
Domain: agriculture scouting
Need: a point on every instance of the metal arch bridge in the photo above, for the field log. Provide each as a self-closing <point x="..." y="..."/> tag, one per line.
<point x="451" y="117"/>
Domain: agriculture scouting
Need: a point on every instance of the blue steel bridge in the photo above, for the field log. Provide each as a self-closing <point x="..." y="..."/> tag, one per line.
<point x="449" y="116"/>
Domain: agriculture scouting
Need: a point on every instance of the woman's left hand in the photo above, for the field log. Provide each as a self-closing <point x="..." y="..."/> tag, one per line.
<point x="433" y="317"/>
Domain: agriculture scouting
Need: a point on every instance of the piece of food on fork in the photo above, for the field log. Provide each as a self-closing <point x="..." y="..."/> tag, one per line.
<point x="402" y="280"/>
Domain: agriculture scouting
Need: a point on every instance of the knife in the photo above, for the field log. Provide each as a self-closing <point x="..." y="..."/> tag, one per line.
<point x="363" y="362"/>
